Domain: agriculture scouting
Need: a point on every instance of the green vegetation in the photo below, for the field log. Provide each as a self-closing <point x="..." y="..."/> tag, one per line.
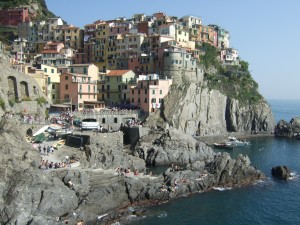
<point x="210" y="58"/>
<point x="233" y="81"/>
<point x="237" y="84"/>
<point x="8" y="34"/>
<point x="41" y="101"/>
<point x="11" y="102"/>
<point x="2" y="103"/>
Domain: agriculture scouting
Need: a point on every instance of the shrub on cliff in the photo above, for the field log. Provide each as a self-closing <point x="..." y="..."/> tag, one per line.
<point x="41" y="101"/>
<point x="2" y="103"/>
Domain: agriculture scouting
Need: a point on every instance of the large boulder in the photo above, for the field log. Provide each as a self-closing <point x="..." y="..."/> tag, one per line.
<point x="171" y="146"/>
<point x="285" y="129"/>
<point x="281" y="172"/>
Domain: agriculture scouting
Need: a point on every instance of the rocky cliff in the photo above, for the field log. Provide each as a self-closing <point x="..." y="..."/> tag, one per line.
<point x="194" y="108"/>
<point x="288" y="129"/>
<point x="98" y="193"/>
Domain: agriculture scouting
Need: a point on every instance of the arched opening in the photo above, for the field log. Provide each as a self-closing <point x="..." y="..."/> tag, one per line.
<point x="24" y="89"/>
<point x="29" y="132"/>
<point x="103" y="120"/>
<point x="12" y="94"/>
<point x="115" y="120"/>
<point x="35" y="90"/>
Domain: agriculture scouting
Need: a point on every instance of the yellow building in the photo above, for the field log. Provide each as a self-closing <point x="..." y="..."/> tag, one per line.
<point x="73" y="37"/>
<point x="112" y="86"/>
<point x="37" y="74"/>
<point x="100" y="48"/>
<point x="53" y="80"/>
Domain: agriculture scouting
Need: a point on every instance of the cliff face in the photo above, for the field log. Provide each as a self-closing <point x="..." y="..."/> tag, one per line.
<point x="193" y="108"/>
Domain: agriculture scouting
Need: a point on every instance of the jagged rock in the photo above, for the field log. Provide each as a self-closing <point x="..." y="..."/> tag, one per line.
<point x="172" y="146"/>
<point x="281" y="172"/>
<point x="285" y="129"/>
<point x="194" y="109"/>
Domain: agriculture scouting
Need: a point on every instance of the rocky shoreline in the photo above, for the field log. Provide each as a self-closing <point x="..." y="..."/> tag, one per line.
<point x="31" y="196"/>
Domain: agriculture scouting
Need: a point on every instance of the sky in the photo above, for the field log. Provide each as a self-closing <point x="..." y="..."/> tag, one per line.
<point x="265" y="32"/>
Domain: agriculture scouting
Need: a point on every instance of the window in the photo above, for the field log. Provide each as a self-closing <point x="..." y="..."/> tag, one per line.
<point x="139" y="91"/>
<point x="160" y="92"/>
<point x="53" y="86"/>
<point x="146" y="91"/>
<point x="146" y="100"/>
<point x="132" y="92"/>
<point x="66" y="87"/>
<point x="153" y="100"/>
<point x="108" y="87"/>
<point x="80" y="96"/>
<point x="139" y="100"/>
<point x="45" y="70"/>
<point x="132" y="100"/>
<point x="52" y="70"/>
<point x="153" y="92"/>
<point x="103" y="120"/>
<point x="53" y="96"/>
<point x="84" y="70"/>
<point x="115" y="120"/>
<point x="66" y="77"/>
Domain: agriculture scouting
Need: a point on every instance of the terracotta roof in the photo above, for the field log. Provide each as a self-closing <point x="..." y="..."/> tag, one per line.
<point x="117" y="72"/>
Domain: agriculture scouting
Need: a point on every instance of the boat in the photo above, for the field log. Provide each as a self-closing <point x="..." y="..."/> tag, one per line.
<point x="236" y="142"/>
<point x="42" y="130"/>
<point x="224" y="145"/>
<point x="39" y="138"/>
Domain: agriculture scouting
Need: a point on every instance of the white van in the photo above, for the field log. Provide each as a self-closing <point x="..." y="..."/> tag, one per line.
<point x="89" y="124"/>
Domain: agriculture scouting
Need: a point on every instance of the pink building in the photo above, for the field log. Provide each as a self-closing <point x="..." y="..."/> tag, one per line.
<point x="80" y="91"/>
<point x="149" y="92"/>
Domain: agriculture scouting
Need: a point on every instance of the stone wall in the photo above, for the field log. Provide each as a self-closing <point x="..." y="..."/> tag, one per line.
<point x="110" y="121"/>
<point x="15" y="86"/>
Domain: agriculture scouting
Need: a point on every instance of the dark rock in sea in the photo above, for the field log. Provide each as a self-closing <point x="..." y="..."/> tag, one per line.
<point x="285" y="129"/>
<point x="281" y="172"/>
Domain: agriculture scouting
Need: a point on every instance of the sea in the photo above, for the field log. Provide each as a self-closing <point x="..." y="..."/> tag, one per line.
<point x="268" y="202"/>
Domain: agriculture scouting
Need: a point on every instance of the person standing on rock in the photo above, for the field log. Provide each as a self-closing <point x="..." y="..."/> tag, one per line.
<point x="44" y="149"/>
<point x="48" y="149"/>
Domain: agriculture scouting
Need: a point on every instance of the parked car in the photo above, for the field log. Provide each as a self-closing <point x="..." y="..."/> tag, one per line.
<point x="89" y="124"/>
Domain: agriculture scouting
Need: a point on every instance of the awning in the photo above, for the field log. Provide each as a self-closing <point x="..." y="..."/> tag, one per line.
<point x="61" y="105"/>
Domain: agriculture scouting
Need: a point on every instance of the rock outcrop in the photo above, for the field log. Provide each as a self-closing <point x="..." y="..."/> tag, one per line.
<point x="291" y="129"/>
<point x="195" y="109"/>
<point x="281" y="172"/>
<point x="29" y="195"/>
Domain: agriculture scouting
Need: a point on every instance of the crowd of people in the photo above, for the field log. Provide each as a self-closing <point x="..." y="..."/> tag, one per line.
<point x="46" y="165"/>
<point x="127" y="171"/>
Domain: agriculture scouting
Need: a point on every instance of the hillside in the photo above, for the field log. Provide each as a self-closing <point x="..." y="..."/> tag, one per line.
<point x="38" y="6"/>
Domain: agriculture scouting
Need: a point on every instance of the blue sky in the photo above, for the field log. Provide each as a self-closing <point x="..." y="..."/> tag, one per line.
<point x="265" y="32"/>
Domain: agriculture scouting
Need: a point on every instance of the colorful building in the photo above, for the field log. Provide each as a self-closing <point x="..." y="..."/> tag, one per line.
<point x="14" y="16"/>
<point x="79" y="90"/>
<point x="113" y="86"/>
<point x="149" y="92"/>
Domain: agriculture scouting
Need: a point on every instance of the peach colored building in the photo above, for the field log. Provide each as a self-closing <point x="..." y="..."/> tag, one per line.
<point x="80" y="90"/>
<point x="149" y="92"/>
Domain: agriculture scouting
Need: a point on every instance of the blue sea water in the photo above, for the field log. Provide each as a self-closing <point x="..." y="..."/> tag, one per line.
<point x="270" y="202"/>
